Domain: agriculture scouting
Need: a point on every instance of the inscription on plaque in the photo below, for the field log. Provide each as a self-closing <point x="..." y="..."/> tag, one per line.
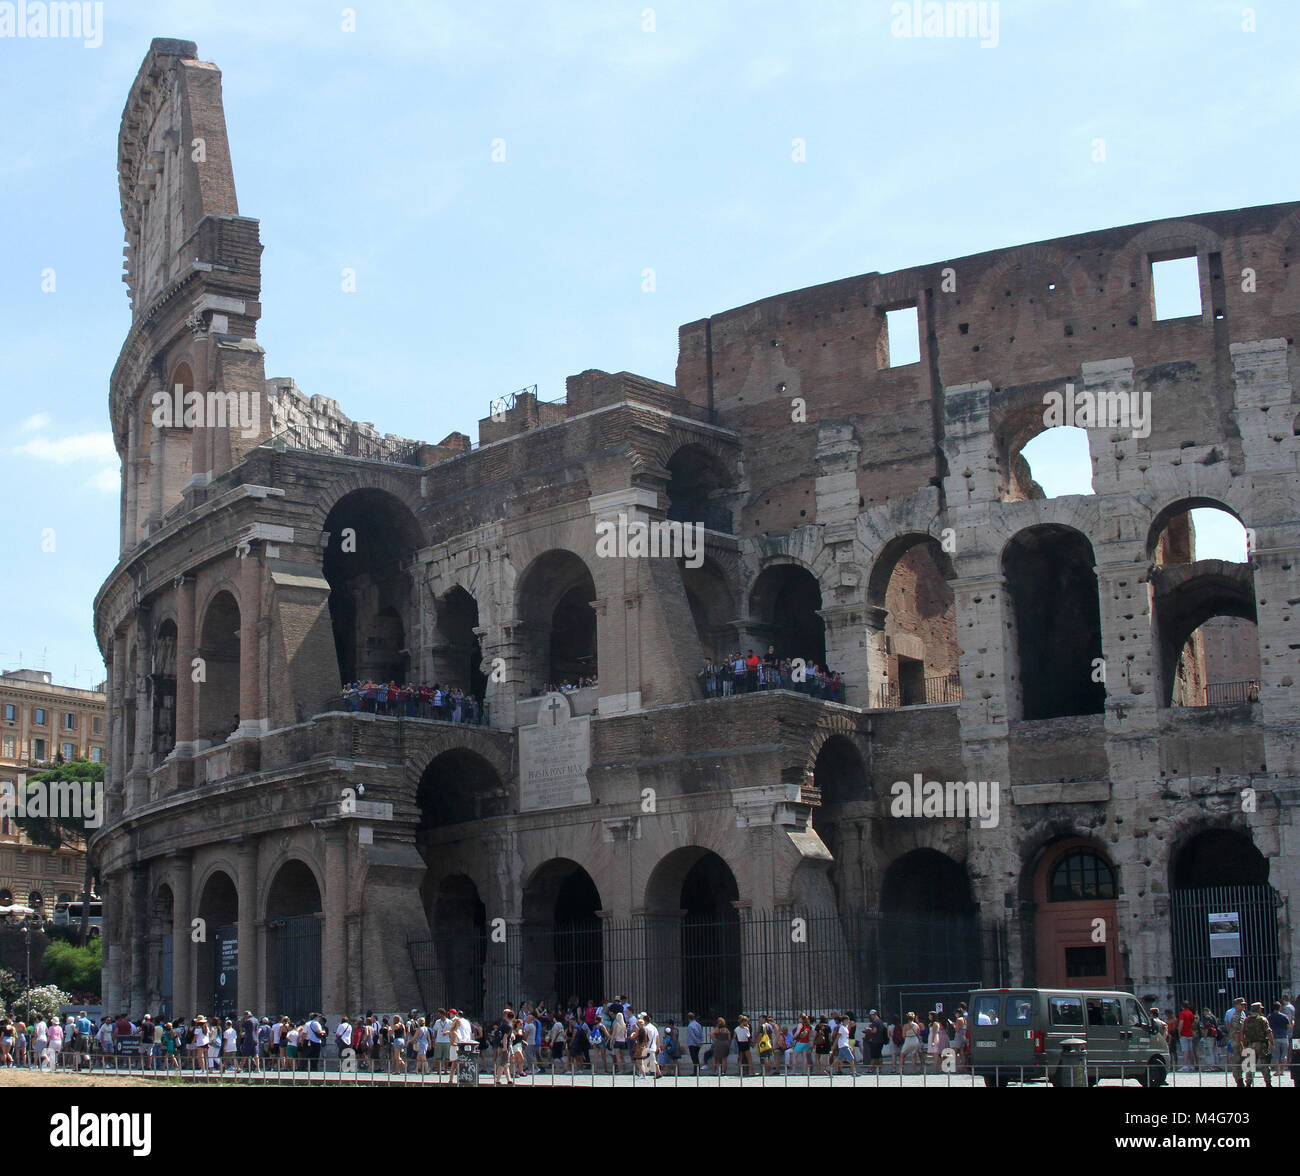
<point x="554" y="755"/>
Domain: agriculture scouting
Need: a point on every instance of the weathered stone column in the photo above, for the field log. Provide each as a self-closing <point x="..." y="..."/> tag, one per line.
<point x="137" y="780"/>
<point x="157" y="463"/>
<point x="250" y="962"/>
<point x="252" y="713"/>
<point x="334" y="940"/>
<point x="183" y="1002"/>
<point x="130" y="478"/>
<point x="139" y="922"/>
<point x="186" y="691"/>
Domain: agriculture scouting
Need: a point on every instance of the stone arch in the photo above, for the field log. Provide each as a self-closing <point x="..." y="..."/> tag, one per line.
<point x="1056" y="633"/>
<point x="162" y="683"/>
<point x="219" y="647"/>
<point x="218" y="906"/>
<point x="457" y="649"/>
<point x="563" y="942"/>
<point x="459" y="785"/>
<point x="1184" y="598"/>
<point x="1073" y="882"/>
<point x="294" y="908"/>
<point x="1014" y="427"/>
<point x="712" y="602"/>
<point x="784" y="610"/>
<point x="553" y="601"/>
<point x="373" y="538"/>
<point x="700" y="486"/>
<point x="178" y="449"/>
<point x="458" y="926"/>
<point x="1169" y="537"/>
<point x="695" y="933"/>
<point x="914" y="622"/>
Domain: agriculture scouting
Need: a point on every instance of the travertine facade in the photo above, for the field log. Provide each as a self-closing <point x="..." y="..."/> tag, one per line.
<point x="878" y="519"/>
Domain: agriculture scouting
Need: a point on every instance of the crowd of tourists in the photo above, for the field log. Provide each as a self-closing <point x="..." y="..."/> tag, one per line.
<point x="1201" y="1042"/>
<point x="568" y="685"/>
<point x="749" y="673"/>
<point x="450" y="704"/>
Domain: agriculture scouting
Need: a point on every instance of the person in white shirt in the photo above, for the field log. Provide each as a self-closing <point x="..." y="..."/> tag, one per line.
<point x="651" y="1045"/>
<point x="441" y="1043"/>
<point x="229" y="1044"/>
<point x="343" y="1035"/>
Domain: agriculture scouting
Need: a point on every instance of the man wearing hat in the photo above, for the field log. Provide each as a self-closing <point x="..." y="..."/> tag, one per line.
<point x="1256" y="1048"/>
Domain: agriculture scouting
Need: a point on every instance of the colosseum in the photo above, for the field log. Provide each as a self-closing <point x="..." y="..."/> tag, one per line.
<point x="593" y="814"/>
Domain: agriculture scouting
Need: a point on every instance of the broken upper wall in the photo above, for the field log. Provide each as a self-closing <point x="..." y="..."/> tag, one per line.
<point x="1024" y="319"/>
<point x="173" y="165"/>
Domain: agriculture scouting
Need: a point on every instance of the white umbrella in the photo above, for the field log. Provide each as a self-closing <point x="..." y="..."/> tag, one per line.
<point x="16" y="909"/>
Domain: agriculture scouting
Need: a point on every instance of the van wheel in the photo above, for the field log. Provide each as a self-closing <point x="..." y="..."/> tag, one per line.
<point x="997" y="1080"/>
<point x="1155" y="1073"/>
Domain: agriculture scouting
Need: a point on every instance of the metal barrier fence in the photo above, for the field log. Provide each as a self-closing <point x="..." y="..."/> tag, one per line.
<point x="1231" y="693"/>
<point x="944" y="688"/>
<point x="953" y="1071"/>
<point x="716" y="964"/>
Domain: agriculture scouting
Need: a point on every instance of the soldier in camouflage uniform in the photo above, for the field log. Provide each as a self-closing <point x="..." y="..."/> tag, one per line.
<point x="1257" y="1035"/>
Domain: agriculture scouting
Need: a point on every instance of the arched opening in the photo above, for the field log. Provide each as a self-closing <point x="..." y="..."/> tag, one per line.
<point x="555" y="596"/>
<point x="36" y="900"/>
<point x="372" y="538"/>
<point x="564" y="960"/>
<point x="841" y="779"/>
<point x="713" y="608"/>
<point x="162" y="684"/>
<point x="697" y="487"/>
<point x="919" y="655"/>
<point x="457" y="786"/>
<point x="1074" y="886"/>
<point x="218" y="691"/>
<point x="1052" y="583"/>
<point x="458" y="924"/>
<point x="1224" y="918"/>
<point x="1055" y="463"/>
<point x="178" y="439"/>
<point x="161" y="915"/>
<point x="293" y="939"/>
<point x="1193" y="529"/>
<point x="458" y="654"/>
<point x="784" y="611"/>
<point x="217" y="963"/>
<point x="694" y="935"/>
<point x="930" y="948"/>
<point x="1042" y="445"/>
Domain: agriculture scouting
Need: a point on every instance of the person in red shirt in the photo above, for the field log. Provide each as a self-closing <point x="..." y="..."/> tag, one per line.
<point x="752" y="663"/>
<point x="1187" y="1038"/>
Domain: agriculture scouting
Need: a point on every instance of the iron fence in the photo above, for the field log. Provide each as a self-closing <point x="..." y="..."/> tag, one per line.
<point x="1232" y="693"/>
<point x="943" y="688"/>
<point x="1225" y="944"/>
<point x="781" y="964"/>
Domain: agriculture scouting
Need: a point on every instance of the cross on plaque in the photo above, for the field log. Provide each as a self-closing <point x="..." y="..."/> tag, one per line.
<point x="554" y="707"/>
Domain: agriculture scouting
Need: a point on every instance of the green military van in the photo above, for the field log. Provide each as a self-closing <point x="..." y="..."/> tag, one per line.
<point x="1017" y="1035"/>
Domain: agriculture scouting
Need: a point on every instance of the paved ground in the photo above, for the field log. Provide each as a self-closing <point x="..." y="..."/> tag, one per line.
<point x="15" y="1077"/>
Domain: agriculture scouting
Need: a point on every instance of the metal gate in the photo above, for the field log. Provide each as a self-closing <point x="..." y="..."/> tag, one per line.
<point x="1225" y="945"/>
<point x="297" y="965"/>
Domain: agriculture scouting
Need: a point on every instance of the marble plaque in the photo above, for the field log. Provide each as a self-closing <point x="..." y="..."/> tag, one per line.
<point x="554" y="754"/>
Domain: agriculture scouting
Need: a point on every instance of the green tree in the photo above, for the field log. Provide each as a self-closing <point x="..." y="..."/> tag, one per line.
<point x="53" y="829"/>
<point x="75" y="968"/>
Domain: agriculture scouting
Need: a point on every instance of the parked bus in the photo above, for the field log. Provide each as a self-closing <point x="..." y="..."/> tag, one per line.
<point x="68" y="914"/>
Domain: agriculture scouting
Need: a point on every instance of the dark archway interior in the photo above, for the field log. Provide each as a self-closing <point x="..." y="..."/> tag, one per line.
<point x="696" y="483"/>
<point x="458" y="786"/>
<point x="372" y="537"/>
<point x="711" y="971"/>
<point x="219" y="909"/>
<point x="1218" y="857"/>
<point x="162" y="684"/>
<point x="1222" y="590"/>
<point x="840" y="777"/>
<point x="784" y="604"/>
<point x="293" y="947"/>
<point x="563" y="941"/>
<point x="458" y="660"/>
<point x="1049" y="574"/>
<point x="713" y="608"/>
<point x="458" y="922"/>
<point x="218" y="693"/>
<point x="555" y="596"/>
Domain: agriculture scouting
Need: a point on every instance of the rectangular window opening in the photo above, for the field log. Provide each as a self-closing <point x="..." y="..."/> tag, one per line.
<point x="900" y="342"/>
<point x="1175" y="287"/>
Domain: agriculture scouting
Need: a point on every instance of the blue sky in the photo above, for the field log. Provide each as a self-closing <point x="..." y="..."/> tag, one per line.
<point x="625" y="150"/>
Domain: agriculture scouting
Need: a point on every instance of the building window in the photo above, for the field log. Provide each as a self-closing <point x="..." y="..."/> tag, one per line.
<point x="38" y="750"/>
<point x="65" y="865"/>
<point x="1081" y="876"/>
<point x="69" y="751"/>
<point x="9" y="747"/>
<point x="11" y="712"/>
<point x="96" y="755"/>
<point x="35" y="901"/>
<point x="97" y="725"/>
<point x="4" y="826"/>
<point x="6" y="897"/>
<point x="69" y="721"/>
<point x="40" y="717"/>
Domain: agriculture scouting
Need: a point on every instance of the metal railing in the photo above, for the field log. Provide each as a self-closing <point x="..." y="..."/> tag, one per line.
<point x="944" y="688"/>
<point x="1232" y="693"/>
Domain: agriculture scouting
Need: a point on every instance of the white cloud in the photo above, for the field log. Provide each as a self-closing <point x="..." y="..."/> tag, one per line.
<point x="83" y="447"/>
<point x="40" y="421"/>
<point x="107" y="481"/>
